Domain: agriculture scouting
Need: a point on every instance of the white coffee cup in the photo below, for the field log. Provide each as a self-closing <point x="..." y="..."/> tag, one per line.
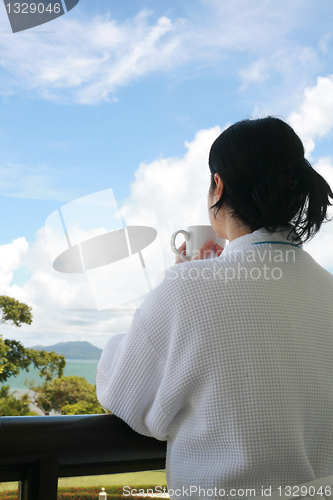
<point x="195" y="237"/>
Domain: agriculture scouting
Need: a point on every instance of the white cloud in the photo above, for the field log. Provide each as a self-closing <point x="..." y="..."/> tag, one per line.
<point x="62" y="306"/>
<point x="292" y="64"/>
<point x="256" y="72"/>
<point x="11" y="256"/>
<point x="315" y="116"/>
<point x="171" y="193"/>
<point x="88" y="61"/>
<point x="324" y="166"/>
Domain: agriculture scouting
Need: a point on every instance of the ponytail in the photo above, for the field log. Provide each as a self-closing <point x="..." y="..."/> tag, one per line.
<point x="267" y="181"/>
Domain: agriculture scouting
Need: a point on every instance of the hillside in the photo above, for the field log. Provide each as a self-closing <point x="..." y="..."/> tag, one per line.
<point x="72" y="350"/>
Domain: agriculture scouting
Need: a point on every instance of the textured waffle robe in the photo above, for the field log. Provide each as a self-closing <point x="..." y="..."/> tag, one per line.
<point x="230" y="360"/>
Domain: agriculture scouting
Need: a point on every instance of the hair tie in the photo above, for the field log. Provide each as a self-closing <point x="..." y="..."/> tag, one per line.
<point x="300" y="164"/>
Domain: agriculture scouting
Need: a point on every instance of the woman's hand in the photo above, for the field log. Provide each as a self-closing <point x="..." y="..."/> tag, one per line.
<point x="203" y="253"/>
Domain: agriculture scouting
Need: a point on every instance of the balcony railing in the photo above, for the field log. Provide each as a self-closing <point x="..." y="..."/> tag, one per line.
<point x="36" y="451"/>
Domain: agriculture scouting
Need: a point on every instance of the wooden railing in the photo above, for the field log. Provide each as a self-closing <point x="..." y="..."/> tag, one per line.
<point x="36" y="451"/>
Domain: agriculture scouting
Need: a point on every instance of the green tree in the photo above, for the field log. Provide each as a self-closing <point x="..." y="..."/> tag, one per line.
<point x="14" y="356"/>
<point x="11" y="406"/>
<point x="67" y="395"/>
<point x="15" y="311"/>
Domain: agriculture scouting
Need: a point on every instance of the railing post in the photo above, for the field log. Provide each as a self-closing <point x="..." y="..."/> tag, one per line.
<point x="40" y="482"/>
<point x="102" y="495"/>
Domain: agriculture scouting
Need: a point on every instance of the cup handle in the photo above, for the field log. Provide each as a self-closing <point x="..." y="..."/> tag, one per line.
<point x="173" y="246"/>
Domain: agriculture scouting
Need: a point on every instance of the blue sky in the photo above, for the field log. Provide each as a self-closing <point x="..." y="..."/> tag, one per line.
<point x="130" y="96"/>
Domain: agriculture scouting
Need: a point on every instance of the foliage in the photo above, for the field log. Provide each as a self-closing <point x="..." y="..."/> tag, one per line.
<point x="13" y="407"/>
<point x="14" y="356"/>
<point x="66" y="395"/>
<point x="4" y="348"/>
<point x="15" y="311"/>
<point x="49" y="364"/>
<point x="9" y="495"/>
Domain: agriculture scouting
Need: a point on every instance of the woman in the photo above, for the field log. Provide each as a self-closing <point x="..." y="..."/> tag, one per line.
<point x="230" y="359"/>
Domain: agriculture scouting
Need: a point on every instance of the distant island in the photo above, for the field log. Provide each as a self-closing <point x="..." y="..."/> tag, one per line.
<point x="72" y="350"/>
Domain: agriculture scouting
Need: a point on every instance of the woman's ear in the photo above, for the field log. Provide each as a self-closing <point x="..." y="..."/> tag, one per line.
<point x="219" y="188"/>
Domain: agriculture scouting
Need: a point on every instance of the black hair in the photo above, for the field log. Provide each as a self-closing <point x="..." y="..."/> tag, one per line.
<point x="267" y="181"/>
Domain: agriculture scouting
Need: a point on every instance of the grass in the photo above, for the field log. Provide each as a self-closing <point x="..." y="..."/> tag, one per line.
<point x="153" y="477"/>
<point x="8" y="487"/>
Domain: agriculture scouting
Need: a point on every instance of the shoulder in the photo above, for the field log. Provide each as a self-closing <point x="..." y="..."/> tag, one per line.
<point x="181" y="284"/>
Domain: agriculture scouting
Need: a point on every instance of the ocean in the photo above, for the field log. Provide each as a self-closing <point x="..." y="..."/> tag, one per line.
<point x="80" y="367"/>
